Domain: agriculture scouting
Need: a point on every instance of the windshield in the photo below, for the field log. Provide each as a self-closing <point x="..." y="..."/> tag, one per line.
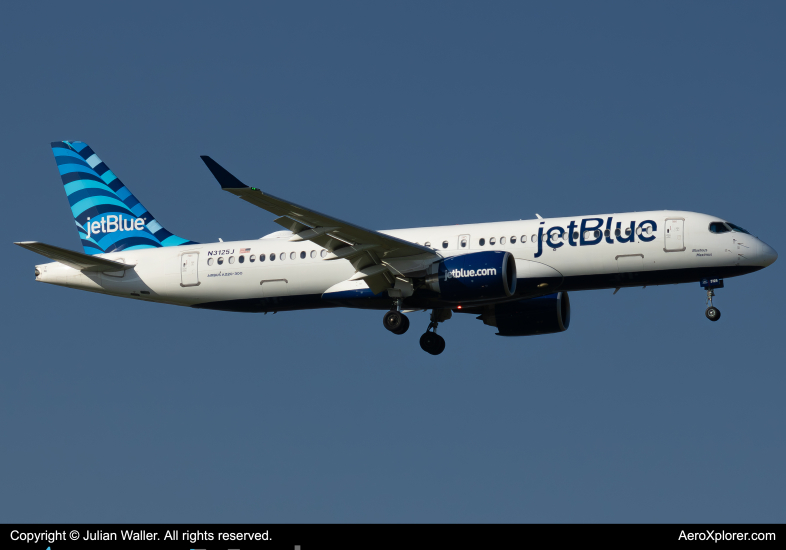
<point x="737" y="228"/>
<point x="719" y="227"/>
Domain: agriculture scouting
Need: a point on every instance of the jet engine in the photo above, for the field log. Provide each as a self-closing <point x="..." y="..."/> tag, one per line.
<point x="476" y="276"/>
<point x="543" y="315"/>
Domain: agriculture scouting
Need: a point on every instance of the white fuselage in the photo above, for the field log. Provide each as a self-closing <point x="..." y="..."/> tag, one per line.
<point x="677" y="247"/>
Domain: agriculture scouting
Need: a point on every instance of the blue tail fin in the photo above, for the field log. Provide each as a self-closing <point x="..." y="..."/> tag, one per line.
<point x="109" y="218"/>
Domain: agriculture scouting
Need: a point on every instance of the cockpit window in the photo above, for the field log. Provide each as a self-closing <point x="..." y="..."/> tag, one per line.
<point x="725" y="227"/>
<point x="737" y="228"/>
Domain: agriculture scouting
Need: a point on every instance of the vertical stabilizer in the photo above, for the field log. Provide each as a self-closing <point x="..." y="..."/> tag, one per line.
<point x="108" y="216"/>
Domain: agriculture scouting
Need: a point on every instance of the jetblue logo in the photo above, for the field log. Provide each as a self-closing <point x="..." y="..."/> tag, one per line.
<point x="113" y="223"/>
<point x="591" y="231"/>
<point x="461" y="273"/>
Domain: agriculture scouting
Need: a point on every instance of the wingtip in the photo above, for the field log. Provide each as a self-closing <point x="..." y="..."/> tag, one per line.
<point x="225" y="179"/>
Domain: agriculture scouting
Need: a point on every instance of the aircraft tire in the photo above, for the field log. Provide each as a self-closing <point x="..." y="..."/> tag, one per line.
<point x="712" y="313"/>
<point x="393" y="321"/>
<point x="432" y="343"/>
<point x="404" y="326"/>
<point x="441" y="344"/>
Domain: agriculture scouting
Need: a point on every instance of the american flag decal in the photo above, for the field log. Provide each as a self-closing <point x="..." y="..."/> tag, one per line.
<point x="245" y="250"/>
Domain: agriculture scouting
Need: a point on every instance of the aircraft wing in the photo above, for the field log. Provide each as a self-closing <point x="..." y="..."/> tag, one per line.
<point x="367" y="250"/>
<point x="77" y="260"/>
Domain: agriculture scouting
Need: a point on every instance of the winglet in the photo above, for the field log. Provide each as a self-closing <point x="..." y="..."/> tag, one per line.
<point x="225" y="179"/>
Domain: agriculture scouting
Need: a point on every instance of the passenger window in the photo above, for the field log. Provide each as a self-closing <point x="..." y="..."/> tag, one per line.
<point x="463" y="243"/>
<point x="252" y="258"/>
<point x="428" y="244"/>
<point x="638" y="231"/>
<point x="262" y="257"/>
<point x="607" y="233"/>
<point x="597" y="233"/>
<point x="534" y="238"/>
<point x="292" y="255"/>
<point x="303" y="255"/>
<point x="220" y="260"/>
<point x="502" y="240"/>
<point x="323" y="253"/>
<point x="444" y="244"/>
<point x="492" y="241"/>
<point x="231" y="259"/>
<point x="575" y="235"/>
<point x="241" y="259"/>
<point x="313" y="253"/>
<point x="627" y="232"/>
<point x="272" y="257"/>
<point x="617" y="232"/>
<point x="282" y="256"/>
<point x="481" y="242"/>
<point x="523" y="238"/>
<point x="513" y="240"/>
<point x="210" y="261"/>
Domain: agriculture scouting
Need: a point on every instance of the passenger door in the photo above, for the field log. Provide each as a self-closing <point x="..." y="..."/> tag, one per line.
<point x="674" y="238"/>
<point x="189" y="266"/>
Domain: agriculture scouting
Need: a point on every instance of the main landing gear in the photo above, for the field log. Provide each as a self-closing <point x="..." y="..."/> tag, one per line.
<point x="396" y="322"/>
<point x="712" y="313"/>
<point x="431" y="342"/>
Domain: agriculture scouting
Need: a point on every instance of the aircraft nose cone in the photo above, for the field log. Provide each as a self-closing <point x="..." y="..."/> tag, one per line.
<point x="767" y="254"/>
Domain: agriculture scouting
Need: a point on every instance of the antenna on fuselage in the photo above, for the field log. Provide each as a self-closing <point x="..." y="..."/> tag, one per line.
<point x="538" y="215"/>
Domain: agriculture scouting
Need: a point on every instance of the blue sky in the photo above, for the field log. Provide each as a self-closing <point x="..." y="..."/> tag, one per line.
<point x="395" y="115"/>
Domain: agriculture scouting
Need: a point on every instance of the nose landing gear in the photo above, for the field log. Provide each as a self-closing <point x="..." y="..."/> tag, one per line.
<point x="712" y="313"/>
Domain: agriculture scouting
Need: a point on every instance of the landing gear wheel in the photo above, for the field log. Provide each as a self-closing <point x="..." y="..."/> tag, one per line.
<point x="441" y="342"/>
<point x="432" y="343"/>
<point x="404" y="326"/>
<point x="712" y="313"/>
<point x="395" y="322"/>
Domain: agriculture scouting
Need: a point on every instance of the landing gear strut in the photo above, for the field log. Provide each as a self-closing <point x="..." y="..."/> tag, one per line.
<point x="431" y="342"/>
<point x="712" y="313"/>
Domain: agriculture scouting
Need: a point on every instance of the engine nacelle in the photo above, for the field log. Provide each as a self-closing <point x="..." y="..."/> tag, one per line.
<point x="543" y="315"/>
<point x="475" y="276"/>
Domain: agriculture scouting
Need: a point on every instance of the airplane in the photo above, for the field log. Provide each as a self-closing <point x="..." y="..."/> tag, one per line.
<point x="513" y="275"/>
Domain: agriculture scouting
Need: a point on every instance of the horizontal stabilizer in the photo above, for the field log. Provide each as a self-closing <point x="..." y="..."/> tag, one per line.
<point x="77" y="260"/>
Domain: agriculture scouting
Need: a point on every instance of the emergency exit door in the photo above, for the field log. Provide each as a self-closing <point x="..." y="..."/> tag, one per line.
<point x="189" y="274"/>
<point x="674" y="235"/>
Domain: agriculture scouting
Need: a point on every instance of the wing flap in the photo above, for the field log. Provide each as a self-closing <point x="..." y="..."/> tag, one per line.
<point x="77" y="260"/>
